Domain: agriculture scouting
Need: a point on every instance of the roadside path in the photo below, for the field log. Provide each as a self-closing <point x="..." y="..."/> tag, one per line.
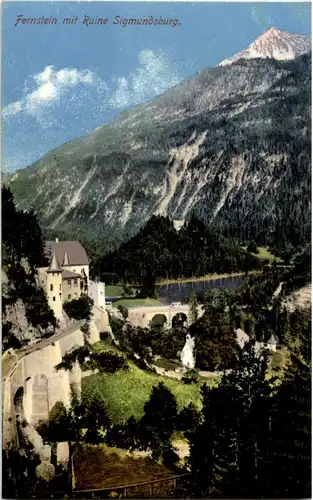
<point x="10" y="360"/>
<point x="160" y="307"/>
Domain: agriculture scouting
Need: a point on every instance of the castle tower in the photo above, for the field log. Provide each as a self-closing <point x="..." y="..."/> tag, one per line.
<point x="54" y="287"/>
<point x="66" y="260"/>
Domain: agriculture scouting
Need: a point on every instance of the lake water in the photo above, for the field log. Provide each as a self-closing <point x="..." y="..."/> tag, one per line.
<point x="178" y="292"/>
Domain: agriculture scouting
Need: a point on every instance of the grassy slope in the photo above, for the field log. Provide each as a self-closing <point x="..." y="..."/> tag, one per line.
<point x="136" y="303"/>
<point x="113" y="291"/>
<point x="264" y="253"/>
<point x="126" y="392"/>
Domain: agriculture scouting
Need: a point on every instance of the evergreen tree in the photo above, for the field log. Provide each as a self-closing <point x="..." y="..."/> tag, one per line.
<point x="291" y="425"/>
<point x="213" y="444"/>
<point x="188" y="419"/>
<point x="124" y="312"/>
<point x="252" y="247"/>
<point x="230" y="449"/>
<point x="70" y="424"/>
<point x="23" y="253"/>
<point x="21" y="235"/>
<point x="96" y="420"/>
<point x="158" y="422"/>
<point x="80" y="308"/>
<point x="254" y="402"/>
<point x="149" y="288"/>
<point x="216" y="344"/>
<point x="56" y="428"/>
<point x="19" y="472"/>
<point x="193" y="305"/>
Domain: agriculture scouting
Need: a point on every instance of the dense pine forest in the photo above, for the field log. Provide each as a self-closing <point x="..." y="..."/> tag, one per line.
<point x="22" y="253"/>
<point x="160" y="250"/>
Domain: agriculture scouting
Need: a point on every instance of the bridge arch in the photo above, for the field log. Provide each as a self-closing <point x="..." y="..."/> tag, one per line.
<point x="158" y="320"/>
<point x="28" y="398"/>
<point x="18" y="402"/>
<point x="31" y="385"/>
<point x="179" y="320"/>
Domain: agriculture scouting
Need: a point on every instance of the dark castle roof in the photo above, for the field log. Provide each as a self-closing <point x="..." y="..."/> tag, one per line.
<point x="76" y="253"/>
<point x="69" y="274"/>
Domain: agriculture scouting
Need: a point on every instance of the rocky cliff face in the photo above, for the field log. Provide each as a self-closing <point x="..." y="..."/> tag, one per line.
<point x="231" y="144"/>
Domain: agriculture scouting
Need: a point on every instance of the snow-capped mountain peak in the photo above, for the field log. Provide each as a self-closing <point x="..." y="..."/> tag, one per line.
<point x="276" y="44"/>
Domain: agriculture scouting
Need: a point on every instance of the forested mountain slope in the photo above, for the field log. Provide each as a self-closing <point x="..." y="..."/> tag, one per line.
<point x="160" y="251"/>
<point x="231" y="145"/>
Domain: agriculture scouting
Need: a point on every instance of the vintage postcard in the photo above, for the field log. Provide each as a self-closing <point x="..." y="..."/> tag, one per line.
<point x="156" y="249"/>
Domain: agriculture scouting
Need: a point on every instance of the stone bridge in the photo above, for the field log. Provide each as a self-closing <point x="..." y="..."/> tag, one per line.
<point x="32" y="386"/>
<point x="163" y="315"/>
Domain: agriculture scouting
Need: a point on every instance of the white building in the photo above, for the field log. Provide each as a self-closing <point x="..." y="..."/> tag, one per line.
<point x="241" y="337"/>
<point x="96" y="292"/>
<point x="270" y="345"/>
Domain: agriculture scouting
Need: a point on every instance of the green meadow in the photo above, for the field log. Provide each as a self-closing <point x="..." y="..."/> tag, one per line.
<point x="125" y="392"/>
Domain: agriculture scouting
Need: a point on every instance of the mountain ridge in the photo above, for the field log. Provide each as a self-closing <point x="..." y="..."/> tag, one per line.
<point x="212" y="145"/>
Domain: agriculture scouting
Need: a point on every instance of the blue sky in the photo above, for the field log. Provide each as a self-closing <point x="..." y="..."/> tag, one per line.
<point x="60" y="81"/>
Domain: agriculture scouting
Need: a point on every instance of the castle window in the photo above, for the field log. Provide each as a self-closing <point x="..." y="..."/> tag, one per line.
<point x="51" y="288"/>
<point x="75" y="282"/>
<point x="53" y="298"/>
<point x="69" y="296"/>
<point x="69" y="283"/>
<point x="60" y="287"/>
